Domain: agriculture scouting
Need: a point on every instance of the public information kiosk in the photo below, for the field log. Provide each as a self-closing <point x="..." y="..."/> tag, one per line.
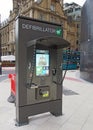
<point x="38" y="68"/>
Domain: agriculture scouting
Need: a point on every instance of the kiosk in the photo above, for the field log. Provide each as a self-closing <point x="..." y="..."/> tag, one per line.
<point x="38" y="68"/>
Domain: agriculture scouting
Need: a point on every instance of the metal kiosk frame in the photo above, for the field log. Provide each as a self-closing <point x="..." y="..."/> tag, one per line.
<point x="33" y="34"/>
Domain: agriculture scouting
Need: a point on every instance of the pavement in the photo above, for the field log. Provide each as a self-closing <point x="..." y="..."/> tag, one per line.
<point x="77" y="107"/>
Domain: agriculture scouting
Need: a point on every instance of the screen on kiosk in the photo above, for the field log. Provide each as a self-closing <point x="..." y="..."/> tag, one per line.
<point x="42" y="62"/>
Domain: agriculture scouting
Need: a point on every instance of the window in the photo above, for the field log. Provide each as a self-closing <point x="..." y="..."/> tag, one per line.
<point x="41" y="16"/>
<point x="70" y="10"/>
<point x="76" y="9"/>
<point x="77" y="42"/>
<point x="38" y="1"/>
<point x="78" y="25"/>
<point x="52" y="7"/>
<point x="52" y="19"/>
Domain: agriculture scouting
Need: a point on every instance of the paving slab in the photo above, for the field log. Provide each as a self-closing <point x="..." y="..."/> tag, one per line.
<point x="77" y="107"/>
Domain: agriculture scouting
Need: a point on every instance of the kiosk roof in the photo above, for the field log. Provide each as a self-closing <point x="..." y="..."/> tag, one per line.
<point x="48" y="41"/>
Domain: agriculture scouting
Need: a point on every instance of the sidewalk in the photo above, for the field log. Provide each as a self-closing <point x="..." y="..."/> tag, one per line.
<point x="77" y="108"/>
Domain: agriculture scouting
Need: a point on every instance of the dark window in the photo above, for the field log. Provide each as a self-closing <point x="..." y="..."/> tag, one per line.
<point x="77" y="42"/>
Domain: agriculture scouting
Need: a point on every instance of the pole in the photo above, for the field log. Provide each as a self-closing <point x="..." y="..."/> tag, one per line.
<point x="0" y="48"/>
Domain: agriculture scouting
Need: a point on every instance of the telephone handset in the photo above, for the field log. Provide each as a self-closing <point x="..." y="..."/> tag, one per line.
<point x="54" y="71"/>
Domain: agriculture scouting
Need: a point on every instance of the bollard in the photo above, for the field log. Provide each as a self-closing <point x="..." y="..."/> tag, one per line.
<point x="11" y="98"/>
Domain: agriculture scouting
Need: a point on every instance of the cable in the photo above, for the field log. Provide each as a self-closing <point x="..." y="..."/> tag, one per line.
<point x="68" y="53"/>
<point x="32" y="68"/>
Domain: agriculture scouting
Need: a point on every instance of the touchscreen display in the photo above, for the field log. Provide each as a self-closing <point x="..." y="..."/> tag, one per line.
<point x="42" y="62"/>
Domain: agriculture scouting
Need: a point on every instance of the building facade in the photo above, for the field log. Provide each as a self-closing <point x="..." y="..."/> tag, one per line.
<point x="73" y="12"/>
<point x="47" y="10"/>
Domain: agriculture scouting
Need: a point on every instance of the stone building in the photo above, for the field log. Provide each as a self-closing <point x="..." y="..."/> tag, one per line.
<point x="73" y="12"/>
<point x="47" y="10"/>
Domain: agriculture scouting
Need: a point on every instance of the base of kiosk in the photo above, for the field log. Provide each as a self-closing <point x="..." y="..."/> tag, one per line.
<point x="54" y="107"/>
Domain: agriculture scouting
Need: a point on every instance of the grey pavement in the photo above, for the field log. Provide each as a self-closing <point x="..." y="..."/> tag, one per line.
<point x="77" y="107"/>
